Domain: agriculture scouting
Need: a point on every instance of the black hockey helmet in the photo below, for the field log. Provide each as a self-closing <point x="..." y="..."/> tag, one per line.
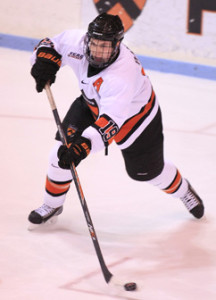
<point x="104" y="27"/>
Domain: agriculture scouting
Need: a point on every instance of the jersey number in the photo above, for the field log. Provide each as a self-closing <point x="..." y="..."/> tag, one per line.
<point x="108" y="131"/>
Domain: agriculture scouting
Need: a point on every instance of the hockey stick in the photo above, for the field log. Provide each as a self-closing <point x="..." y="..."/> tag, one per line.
<point x="106" y="273"/>
<point x="108" y="276"/>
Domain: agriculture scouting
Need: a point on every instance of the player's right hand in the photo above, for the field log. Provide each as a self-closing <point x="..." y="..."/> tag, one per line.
<point x="74" y="152"/>
<point x="46" y="66"/>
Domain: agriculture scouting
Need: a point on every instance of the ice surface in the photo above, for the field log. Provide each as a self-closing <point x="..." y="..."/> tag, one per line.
<point x="145" y="236"/>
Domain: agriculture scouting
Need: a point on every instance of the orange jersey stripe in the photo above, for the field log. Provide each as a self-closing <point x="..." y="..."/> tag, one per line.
<point x="174" y="185"/>
<point x="128" y="126"/>
<point x="94" y="110"/>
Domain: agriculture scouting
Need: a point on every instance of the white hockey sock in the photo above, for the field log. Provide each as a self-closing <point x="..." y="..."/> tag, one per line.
<point x="170" y="181"/>
<point x="57" y="182"/>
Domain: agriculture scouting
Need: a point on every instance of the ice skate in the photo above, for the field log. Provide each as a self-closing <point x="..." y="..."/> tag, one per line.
<point x="193" y="203"/>
<point x="43" y="214"/>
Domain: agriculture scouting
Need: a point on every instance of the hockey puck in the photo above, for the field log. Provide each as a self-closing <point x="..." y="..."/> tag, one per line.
<point x="130" y="286"/>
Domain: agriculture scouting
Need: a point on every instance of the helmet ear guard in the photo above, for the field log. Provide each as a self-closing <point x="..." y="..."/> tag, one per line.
<point x="104" y="27"/>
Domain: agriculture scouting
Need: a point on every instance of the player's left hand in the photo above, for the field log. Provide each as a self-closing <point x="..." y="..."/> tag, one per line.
<point x="75" y="152"/>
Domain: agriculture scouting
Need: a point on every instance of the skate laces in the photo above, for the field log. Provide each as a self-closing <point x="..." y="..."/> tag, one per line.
<point x="190" y="200"/>
<point x="45" y="210"/>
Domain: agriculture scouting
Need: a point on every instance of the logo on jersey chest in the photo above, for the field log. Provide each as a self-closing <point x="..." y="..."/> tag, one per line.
<point x="127" y="10"/>
<point x="97" y="83"/>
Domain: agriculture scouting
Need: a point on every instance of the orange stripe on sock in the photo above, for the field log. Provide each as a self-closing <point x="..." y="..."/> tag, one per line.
<point x="174" y="185"/>
<point x="56" y="188"/>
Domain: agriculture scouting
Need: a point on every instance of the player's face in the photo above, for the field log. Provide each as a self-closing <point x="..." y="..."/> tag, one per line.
<point x="100" y="50"/>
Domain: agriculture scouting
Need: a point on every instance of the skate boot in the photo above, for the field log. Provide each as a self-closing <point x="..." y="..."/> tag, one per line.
<point x="193" y="203"/>
<point x="44" y="213"/>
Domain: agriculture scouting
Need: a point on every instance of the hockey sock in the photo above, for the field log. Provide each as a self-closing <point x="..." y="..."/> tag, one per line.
<point x="57" y="182"/>
<point x="56" y="188"/>
<point x="170" y="181"/>
<point x="56" y="192"/>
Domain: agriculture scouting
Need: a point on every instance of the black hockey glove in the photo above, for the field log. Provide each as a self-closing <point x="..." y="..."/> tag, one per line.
<point x="74" y="153"/>
<point x="46" y="66"/>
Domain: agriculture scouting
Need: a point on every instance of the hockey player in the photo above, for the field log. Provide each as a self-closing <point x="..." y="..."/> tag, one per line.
<point x="117" y="102"/>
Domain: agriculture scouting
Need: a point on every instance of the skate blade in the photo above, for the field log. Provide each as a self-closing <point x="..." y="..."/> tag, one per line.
<point x="51" y="221"/>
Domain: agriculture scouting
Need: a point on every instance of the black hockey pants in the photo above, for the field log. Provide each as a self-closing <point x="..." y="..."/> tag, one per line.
<point x="144" y="159"/>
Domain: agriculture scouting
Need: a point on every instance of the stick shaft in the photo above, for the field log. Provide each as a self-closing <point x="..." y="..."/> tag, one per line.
<point x="106" y="273"/>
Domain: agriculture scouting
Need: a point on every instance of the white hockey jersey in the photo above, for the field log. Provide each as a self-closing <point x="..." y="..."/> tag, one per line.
<point x="120" y="97"/>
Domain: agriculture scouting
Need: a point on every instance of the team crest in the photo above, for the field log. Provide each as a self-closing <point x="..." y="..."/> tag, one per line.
<point x="127" y="10"/>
